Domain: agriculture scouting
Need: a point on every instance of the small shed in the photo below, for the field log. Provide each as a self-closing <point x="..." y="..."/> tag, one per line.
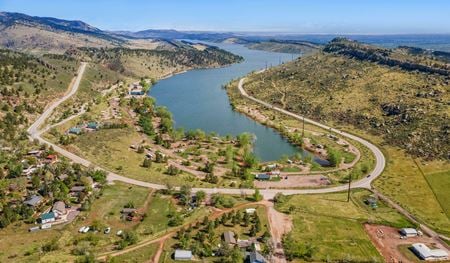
<point x="408" y="232"/>
<point x="75" y="130"/>
<point x="92" y="125"/>
<point x="77" y="189"/>
<point x="183" y="254"/>
<point x="250" y="211"/>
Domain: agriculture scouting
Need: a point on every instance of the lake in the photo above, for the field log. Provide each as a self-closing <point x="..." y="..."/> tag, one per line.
<point x="198" y="101"/>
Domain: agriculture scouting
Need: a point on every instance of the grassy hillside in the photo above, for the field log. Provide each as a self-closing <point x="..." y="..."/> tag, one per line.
<point x="349" y="83"/>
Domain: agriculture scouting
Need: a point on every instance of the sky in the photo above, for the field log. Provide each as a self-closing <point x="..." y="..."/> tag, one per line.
<point x="284" y="16"/>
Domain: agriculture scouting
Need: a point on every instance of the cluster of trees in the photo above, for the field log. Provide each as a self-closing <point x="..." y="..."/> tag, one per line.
<point x="295" y="250"/>
<point x="45" y="181"/>
<point x="202" y="238"/>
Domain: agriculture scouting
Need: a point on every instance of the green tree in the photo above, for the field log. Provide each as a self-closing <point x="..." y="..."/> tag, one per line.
<point x="257" y="196"/>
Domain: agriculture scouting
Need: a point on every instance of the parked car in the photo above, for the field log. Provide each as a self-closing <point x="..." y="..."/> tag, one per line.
<point x="46" y="226"/>
<point x="81" y="230"/>
<point x="86" y="229"/>
<point x="107" y="230"/>
<point x="119" y="233"/>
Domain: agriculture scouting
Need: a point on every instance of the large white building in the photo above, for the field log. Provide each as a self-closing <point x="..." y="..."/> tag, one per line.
<point x="425" y="253"/>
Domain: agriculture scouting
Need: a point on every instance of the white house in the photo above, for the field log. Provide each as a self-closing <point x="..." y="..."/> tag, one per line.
<point x="425" y="253"/>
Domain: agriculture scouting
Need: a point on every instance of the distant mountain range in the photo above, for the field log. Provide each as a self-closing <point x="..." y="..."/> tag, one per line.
<point x="46" y="34"/>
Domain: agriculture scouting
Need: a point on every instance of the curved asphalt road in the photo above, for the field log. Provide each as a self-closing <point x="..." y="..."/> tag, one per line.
<point x="35" y="133"/>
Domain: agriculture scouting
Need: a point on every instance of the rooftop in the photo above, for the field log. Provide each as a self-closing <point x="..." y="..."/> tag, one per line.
<point x="183" y="254"/>
<point x="33" y="200"/>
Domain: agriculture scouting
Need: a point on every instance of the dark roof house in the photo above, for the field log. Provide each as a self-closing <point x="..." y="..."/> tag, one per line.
<point x="34" y="200"/>
<point x="256" y="257"/>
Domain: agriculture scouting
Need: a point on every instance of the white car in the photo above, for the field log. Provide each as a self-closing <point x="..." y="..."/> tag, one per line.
<point x="107" y="230"/>
<point x="86" y="229"/>
<point x="81" y="230"/>
<point x="119" y="233"/>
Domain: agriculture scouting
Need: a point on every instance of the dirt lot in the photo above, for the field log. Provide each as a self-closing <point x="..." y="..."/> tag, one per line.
<point x="387" y="240"/>
<point x="294" y="181"/>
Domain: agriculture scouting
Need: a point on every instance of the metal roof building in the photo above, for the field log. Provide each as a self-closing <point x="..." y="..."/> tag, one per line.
<point x="424" y="252"/>
<point x="183" y="254"/>
<point x="408" y="232"/>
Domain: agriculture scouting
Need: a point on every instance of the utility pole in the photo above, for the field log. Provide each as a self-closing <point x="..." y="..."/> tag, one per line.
<point x="349" y="183"/>
<point x="303" y="129"/>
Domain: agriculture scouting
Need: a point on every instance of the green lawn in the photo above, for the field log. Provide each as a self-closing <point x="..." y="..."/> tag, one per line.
<point x="440" y="184"/>
<point x="334" y="227"/>
<point x="404" y="182"/>
<point x="139" y="255"/>
<point x="156" y="219"/>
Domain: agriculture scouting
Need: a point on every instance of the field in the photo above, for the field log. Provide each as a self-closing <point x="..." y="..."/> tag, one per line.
<point x="333" y="228"/>
<point x="440" y="184"/>
<point x="143" y="254"/>
<point x="404" y="182"/>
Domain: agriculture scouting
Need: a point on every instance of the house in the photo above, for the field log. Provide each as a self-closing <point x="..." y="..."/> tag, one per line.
<point x="229" y="238"/>
<point x="47" y="218"/>
<point x="51" y="158"/>
<point x="59" y="208"/>
<point x="425" y="253"/>
<point x="183" y="255"/>
<point x="408" y="232"/>
<point x="77" y="189"/>
<point x="262" y="176"/>
<point x="75" y="130"/>
<point x="256" y="257"/>
<point x="33" y="201"/>
<point x="34" y="152"/>
<point x="92" y="125"/>
<point x="244" y="243"/>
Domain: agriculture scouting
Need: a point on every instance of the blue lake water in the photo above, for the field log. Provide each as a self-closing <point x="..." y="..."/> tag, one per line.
<point x="198" y="101"/>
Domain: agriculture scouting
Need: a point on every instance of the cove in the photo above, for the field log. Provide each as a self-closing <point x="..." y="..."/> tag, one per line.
<point x="198" y="101"/>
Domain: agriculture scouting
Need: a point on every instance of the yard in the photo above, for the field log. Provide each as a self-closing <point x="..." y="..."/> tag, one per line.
<point x="333" y="228"/>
